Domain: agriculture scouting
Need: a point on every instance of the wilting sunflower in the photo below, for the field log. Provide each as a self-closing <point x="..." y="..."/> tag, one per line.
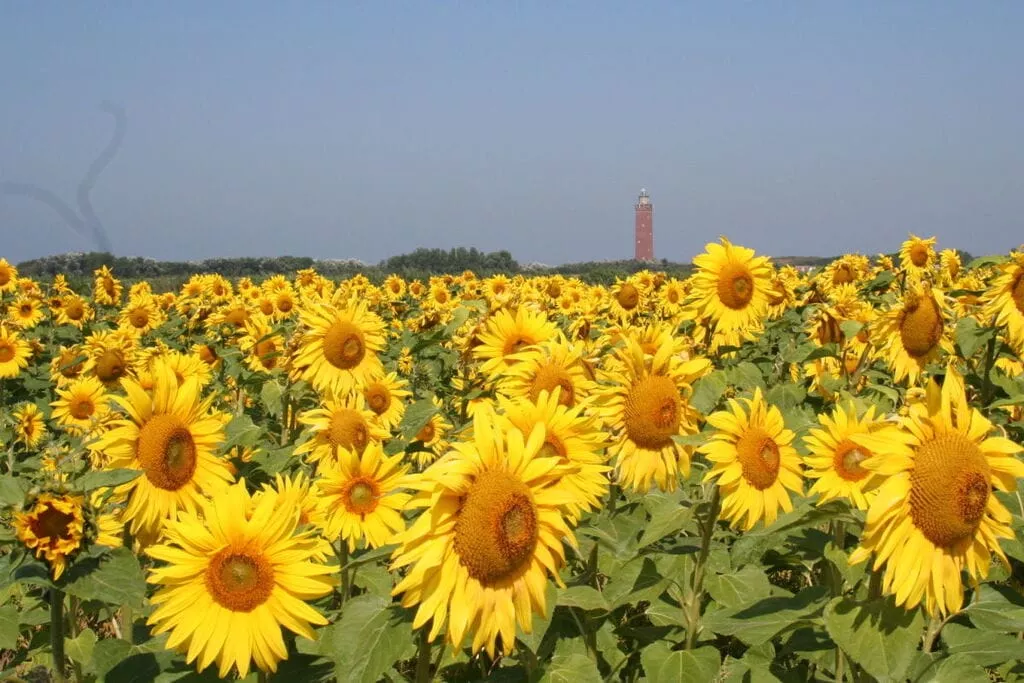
<point x="142" y="314"/>
<point x="29" y="427"/>
<point x="936" y="514"/>
<point x="14" y="353"/>
<point x="385" y="397"/>
<point x="645" y="404"/>
<point x="917" y="255"/>
<point x="753" y="461"/>
<point x="550" y="364"/>
<point x="913" y="333"/>
<point x="1004" y="301"/>
<point x="264" y="348"/>
<point x="339" y="348"/>
<point x="8" y="276"/>
<point x="170" y="434"/>
<point x="25" y="312"/>
<point x="731" y="287"/>
<point x="337" y="424"/>
<point x="836" y="461"/>
<point x="361" y="497"/>
<point x="52" y="529"/>
<point x="508" y="334"/>
<point x="81" y="405"/>
<point x="74" y="311"/>
<point x="232" y="580"/>
<point x="576" y="439"/>
<point x="479" y="555"/>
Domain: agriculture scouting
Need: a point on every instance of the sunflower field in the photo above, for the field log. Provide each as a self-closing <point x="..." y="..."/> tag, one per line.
<point x="751" y="474"/>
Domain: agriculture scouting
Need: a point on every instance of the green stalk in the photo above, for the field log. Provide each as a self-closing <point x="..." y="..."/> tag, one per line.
<point x="343" y="560"/>
<point x="836" y="585"/>
<point x="934" y="627"/>
<point x="986" y="387"/>
<point x="423" y="659"/>
<point x="697" y="593"/>
<point x="57" y="633"/>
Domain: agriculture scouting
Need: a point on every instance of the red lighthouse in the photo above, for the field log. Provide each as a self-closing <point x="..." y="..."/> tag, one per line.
<point x="644" y="227"/>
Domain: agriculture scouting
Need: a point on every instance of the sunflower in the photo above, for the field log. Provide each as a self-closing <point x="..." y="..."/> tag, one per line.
<point x="52" y="528"/>
<point x="386" y="397"/>
<point x="508" y="334"/>
<point x="81" y="405"/>
<point x="731" y="287"/>
<point x="479" y="556"/>
<point x="232" y="315"/>
<point x="570" y="435"/>
<point x="263" y="347"/>
<point x="14" y="353"/>
<point x="836" y="462"/>
<point x="170" y="434"/>
<point x="8" y="276"/>
<point x="432" y="436"/>
<point x="753" y="461"/>
<point x="29" y="428"/>
<point x="645" y="404"/>
<point x="339" y="347"/>
<point x="231" y="581"/>
<point x="141" y="315"/>
<point x="628" y="299"/>
<point x="360" y="496"/>
<point x="550" y="364"/>
<point x="914" y="333"/>
<point x="25" y="312"/>
<point x="339" y="423"/>
<point x="1004" y="301"/>
<point x="110" y="356"/>
<point x="184" y="365"/>
<point x="106" y="289"/>
<point x="74" y="310"/>
<point x="405" y="362"/>
<point x="917" y="255"/>
<point x="936" y="514"/>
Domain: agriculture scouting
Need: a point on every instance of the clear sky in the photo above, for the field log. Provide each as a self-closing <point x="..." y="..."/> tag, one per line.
<point x="365" y="129"/>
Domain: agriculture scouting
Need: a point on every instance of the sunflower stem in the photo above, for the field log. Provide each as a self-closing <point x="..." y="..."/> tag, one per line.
<point x="423" y="659"/>
<point x="986" y="387"/>
<point x="343" y="560"/>
<point x="613" y="496"/>
<point x="934" y="627"/>
<point x="57" y="633"/>
<point x="697" y="594"/>
<point x="261" y="676"/>
<point x="874" y="584"/>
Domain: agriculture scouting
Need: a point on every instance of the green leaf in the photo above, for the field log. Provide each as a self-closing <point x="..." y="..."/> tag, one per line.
<point x="568" y="665"/>
<point x="584" y="597"/>
<point x="970" y="336"/>
<point x="9" y="630"/>
<point x="987" y="261"/>
<point x="241" y="431"/>
<point x="367" y="639"/>
<point x="955" y="668"/>
<point x="270" y="397"/>
<point x="662" y="664"/>
<point x="11" y="492"/>
<point x="707" y="391"/>
<point x="851" y="328"/>
<point x="375" y="579"/>
<point x="416" y="416"/>
<point x="998" y="608"/>
<point x="662" y="613"/>
<point x="746" y="376"/>
<point x="880" y="281"/>
<point x="114" y="578"/>
<point x="879" y="636"/>
<point x="982" y="647"/>
<point x="667" y="517"/>
<point x="97" y="479"/>
<point x="80" y="648"/>
<point x="758" y="623"/>
<point x="736" y="589"/>
<point x="786" y="395"/>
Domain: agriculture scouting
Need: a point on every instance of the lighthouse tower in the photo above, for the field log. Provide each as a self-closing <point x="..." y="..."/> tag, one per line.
<point x="644" y="227"/>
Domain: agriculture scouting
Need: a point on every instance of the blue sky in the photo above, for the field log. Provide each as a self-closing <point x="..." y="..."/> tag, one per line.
<point x="366" y="129"/>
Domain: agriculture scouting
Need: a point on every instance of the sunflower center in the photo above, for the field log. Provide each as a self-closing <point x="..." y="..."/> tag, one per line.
<point x="949" y="489"/>
<point x="515" y="344"/>
<point x="266" y="351"/>
<point x="82" y="408"/>
<point x="167" y="452"/>
<point x="139" y="318"/>
<point x="378" y="398"/>
<point x="266" y="306"/>
<point x="735" y="286"/>
<point x="847" y="461"/>
<point x="361" y="496"/>
<point x="74" y="310"/>
<point x="1017" y="293"/>
<point x="554" y="290"/>
<point x="344" y="347"/>
<point x="239" y="581"/>
<point x="68" y="363"/>
<point x="652" y="412"/>
<point x="110" y="366"/>
<point x="236" y="316"/>
<point x="26" y="310"/>
<point x="6" y="351"/>
<point x="628" y="296"/>
<point x="426" y="433"/>
<point x="920" y="325"/>
<point x="843" y="274"/>
<point x="496" y="530"/>
<point x="549" y="376"/>
<point x="759" y="455"/>
<point x="285" y="304"/>
<point x="348" y="430"/>
<point x="919" y="255"/>
<point x="52" y="523"/>
<point x="5" y="276"/>
<point x="109" y="287"/>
